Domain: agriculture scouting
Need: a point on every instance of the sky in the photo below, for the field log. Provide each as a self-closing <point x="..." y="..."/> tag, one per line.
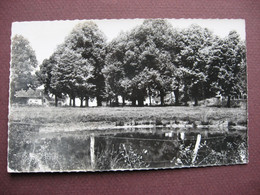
<point x="45" y="36"/>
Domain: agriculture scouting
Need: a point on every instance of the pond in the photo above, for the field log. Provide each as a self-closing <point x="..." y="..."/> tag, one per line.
<point x="124" y="149"/>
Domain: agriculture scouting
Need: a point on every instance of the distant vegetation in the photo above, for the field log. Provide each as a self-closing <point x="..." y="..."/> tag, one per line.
<point x="150" y="61"/>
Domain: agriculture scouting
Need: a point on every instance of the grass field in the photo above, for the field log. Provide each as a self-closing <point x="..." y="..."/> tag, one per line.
<point x="43" y="115"/>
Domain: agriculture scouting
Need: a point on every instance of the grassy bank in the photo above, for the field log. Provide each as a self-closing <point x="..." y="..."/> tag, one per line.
<point x="39" y="138"/>
<point x="47" y="115"/>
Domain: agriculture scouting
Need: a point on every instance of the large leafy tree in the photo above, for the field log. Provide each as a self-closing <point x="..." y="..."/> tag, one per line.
<point x="71" y="73"/>
<point x="193" y="46"/>
<point x="23" y="64"/>
<point x="143" y="61"/>
<point x="155" y="50"/>
<point x="75" y="68"/>
<point x="45" y="77"/>
<point x="44" y="74"/>
<point x="232" y="69"/>
<point x="89" y="41"/>
<point x="113" y="71"/>
<point x="63" y="78"/>
<point x="51" y="74"/>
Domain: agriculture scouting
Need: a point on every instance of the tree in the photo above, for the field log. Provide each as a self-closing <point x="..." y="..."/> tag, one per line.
<point x="77" y="64"/>
<point x="193" y="44"/>
<point x="89" y="41"/>
<point x="213" y="59"/>
<point x="148" y="48"/>
<point x="157" y="46"/>
<point x="45" y="78"/>
<point x="71" y="74"/>
<point x="44" y="74"/>
<point x="23" y="64"/>
<point x="232" y="69"/>
<point x="82" y="74"/>
<point x="113" y="70"/>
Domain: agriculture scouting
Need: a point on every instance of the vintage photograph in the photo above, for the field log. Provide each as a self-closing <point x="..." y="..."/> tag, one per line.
<point x="127" y="94"/>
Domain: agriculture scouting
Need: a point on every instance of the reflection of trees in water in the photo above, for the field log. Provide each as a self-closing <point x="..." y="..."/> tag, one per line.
<point x="29" y="153"/>
<point x="120" y="156"/>
<point x="123" y="151"/>
<point x="231" y="149"/>
<point x="225" y="149"/>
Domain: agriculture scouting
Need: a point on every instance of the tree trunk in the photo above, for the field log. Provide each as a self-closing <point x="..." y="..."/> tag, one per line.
<point x="81" y="101"/>
<point x="107" y="101"/>
<point x="117" y="102"/>
<point x="185" y="98"/>
<point x="70" y="101"/>
<point x="123" y="100"/>
<point x="176" y="94"/>
<point x="74" y="102"/>
<point x="140" y="101"/>
<point x="86" y="101"/>
<point x="99" y="100"/>
<point x="196" y="101"/>
<point x="133" y="102"/>
<point x="228" y="101"/>
<point x="150" y="100"/>
<point x="56" y="100"/>
<point x="162" y="98"/>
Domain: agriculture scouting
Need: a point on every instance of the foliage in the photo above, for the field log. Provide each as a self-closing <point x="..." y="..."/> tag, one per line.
<point x="89" y="41"/>
<point x="142" y="60"/>
<point x="152" y="60"/>
<point x="232" y="70"/>
<point x="23" y="64"/>
<point x="194" y="44"/>
<point x="75" y="67"/>
<point x="122" y="156"/>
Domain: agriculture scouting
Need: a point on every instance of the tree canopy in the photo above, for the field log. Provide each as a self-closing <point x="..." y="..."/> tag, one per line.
<point x="23" y="64"/>
<point x="144" y="59"/>
<point x="152" y="60"/>
<point x="75" y="67"/>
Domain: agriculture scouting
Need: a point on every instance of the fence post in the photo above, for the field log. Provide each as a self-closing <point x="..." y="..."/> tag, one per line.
<point x="195" y="151"/>
<point x="92" y="151"/>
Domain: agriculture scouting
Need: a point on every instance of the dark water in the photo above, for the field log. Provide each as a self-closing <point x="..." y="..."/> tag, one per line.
<point x="167" y="149"/>
<point x="124" y="149"/>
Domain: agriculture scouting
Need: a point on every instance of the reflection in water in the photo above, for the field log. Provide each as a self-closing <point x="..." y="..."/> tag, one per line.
<point x="134" y="149"/>
<point x="169" y="149"/>
<point x="182" y="135"/>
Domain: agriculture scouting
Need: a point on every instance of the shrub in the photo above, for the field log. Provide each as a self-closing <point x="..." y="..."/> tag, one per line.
<point x="158" y="121"/>
<point x="120" y="123"/>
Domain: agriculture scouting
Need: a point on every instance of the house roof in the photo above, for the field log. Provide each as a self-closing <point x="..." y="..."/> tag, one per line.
<point x="30" y="93"/>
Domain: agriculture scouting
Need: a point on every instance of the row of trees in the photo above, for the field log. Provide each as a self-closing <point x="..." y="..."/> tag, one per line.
<point x="151" y="60"/>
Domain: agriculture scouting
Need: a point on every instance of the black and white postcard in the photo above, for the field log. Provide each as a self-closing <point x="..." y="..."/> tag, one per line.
<point x="128" y="94"/>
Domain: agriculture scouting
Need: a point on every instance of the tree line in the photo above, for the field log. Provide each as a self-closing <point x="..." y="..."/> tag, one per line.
<point x="151" y="60"/>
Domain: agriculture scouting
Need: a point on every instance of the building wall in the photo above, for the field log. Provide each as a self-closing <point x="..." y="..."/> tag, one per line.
<point x="34" y="101"/>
